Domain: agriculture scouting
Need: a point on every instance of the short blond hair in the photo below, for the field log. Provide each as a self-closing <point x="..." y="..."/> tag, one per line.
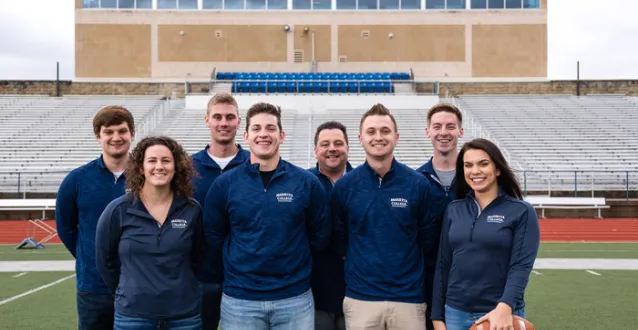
<point x="222" y="98"/>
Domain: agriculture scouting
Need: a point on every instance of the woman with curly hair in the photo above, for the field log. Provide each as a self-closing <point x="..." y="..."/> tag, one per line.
<point x="150" y="242"/>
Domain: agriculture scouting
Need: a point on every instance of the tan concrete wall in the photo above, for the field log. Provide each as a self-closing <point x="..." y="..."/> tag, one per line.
<point x="113" y="50"/>
<point x="78" y="4"/>
<point x="323" y="38"/>
<point x="509" y="50"/>
<point x="431" y="43"/>
<point x="409" y="43"/>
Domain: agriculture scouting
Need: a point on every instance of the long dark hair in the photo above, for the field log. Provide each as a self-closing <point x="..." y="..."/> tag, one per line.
<point x="507" y="181"/>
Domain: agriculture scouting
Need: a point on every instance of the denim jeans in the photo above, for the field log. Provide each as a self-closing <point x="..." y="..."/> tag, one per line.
<point x="123" y="322"/>
<point x="95" y="311"/>
<point x="459" y="320"/>
<point x="211" y="305"/>
<point x="296" y="313"/>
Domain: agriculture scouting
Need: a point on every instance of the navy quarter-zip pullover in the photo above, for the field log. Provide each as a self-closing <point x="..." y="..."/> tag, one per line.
<point x="327" y="281"/>
<point x="82" y="197"/>
<point x="383" y="226"/>
<point x="485" y="256"/>
<point x="443" y="195"/>
<point x="208" y="170"/>
<point x="266" y="232"/>
<point x="151" y="268"/>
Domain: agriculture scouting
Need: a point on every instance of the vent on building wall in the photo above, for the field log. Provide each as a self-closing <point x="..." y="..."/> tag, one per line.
<point x="218" y="33"/>
<point x="365" y="34"/>
<point x="343" y="59"/>
<point x="298" y="56"/>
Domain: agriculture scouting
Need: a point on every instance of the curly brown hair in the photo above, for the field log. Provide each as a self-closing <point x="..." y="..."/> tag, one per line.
<point x="181" y="183"/>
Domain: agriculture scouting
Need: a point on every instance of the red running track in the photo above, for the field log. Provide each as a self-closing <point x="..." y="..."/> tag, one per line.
<point x="552" y="230"/>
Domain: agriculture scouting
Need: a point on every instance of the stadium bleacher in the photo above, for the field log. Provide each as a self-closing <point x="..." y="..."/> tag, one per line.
<point x="312" y="82"/>
<point x="563" y="134"/>
<point x="42" y="138"/>
<point x="547" y="137"/>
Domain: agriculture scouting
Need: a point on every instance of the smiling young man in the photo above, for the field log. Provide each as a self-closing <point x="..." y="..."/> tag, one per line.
<point x="221" y="155"/>
<point x="382" y="225"/>
<point x="444" y="128"/>
<point x="265" y="216"/>
<point x="82" y="197"/>
<point x="328" y="283"/>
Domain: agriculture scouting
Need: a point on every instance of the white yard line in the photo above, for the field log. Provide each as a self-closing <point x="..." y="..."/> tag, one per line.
<point x="593" y="272"/>
<point x="18" y="275"/>
<point x="36" y="290"/>
<point x="537" y="273"/>
<point x="37" y="266"/>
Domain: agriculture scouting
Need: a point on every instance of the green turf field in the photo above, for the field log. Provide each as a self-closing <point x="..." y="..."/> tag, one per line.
<point x="557" y="299"/>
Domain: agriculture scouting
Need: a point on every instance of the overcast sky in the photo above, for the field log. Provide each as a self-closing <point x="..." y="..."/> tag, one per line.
<point x="601" y="34"/>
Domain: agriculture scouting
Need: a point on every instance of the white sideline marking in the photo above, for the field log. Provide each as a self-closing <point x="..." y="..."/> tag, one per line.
<point x="35" y="290"/>
<point x="18" y="275"/>
<point x="592" y="272"/>
<point x="614" y="251"/>
<point x="537" y="273"/>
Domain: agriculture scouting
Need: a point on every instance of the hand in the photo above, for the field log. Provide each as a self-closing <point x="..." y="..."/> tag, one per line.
<point x="500" y="318"/>
<point x="439" y="325"/>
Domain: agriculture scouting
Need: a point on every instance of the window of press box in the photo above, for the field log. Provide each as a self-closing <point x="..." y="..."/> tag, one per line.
<point x="445" y="4"/>
<point x="504" y="4"/>
<point x="379" y="4"/>
<point x="123" y="4"/>
<point x="311" y="4"/>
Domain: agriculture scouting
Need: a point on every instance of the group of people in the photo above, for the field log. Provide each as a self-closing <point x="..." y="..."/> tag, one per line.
<point x="246" y="240"/>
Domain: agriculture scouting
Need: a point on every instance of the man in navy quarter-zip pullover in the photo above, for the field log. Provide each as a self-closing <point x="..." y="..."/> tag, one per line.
<point x="265" y="216"/>
<point x="222" y="154"/>
<point x="328" y="283"/>
<point x="383" y="223"/>
<point x="444" y="129"/>
<point x="82" y="197"/>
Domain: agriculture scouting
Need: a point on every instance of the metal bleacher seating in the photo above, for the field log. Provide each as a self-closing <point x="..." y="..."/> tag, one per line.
<point x="319" y="82"/>
<point x="563" y="140"/>
<point x="42" y="138"/>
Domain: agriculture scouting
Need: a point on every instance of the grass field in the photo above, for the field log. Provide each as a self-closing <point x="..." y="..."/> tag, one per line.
<point x="557" y="299"/>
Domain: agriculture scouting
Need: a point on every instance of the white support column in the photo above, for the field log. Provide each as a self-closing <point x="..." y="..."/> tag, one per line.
<point x="154" y="4"/>
<point x="289" y="4"/>
<point x="200" y="4"/>
<point x="422" y="4"/>
<point x="468" y="4"/>
<point x="333" y="4"/>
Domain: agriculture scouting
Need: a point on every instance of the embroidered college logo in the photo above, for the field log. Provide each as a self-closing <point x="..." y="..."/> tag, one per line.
<point x="399" y="202"/>
<point x="495" y="218"/>
<point x="179" y="223"/>
<point x="285" y="197"/>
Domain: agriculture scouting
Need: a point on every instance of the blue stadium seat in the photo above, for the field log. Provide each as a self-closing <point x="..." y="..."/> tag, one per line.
<point x="312" y="82"/>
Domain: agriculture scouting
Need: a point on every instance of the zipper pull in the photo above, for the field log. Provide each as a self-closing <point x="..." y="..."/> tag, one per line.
<point x="380" y="179"/>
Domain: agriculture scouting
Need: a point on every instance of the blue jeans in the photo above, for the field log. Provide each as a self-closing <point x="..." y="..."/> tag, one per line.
<point x="459" y="320"/>
<point x="123" y="322"/>
<point x="296" y="313"/>
<point x="95" y="311"/>
<point x="211" y="304"/>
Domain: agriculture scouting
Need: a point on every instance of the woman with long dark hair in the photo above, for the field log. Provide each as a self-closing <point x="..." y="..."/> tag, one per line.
<point x="150" y="242"/>
<point x="489" y="242"/>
